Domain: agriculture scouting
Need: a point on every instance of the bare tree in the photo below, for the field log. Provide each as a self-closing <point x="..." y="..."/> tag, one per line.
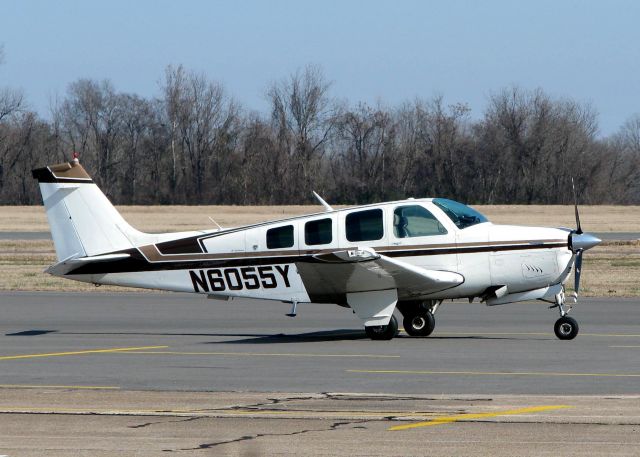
<point x="620" y="180"/>
<point x="303" y="116"/>
<point x="91" y="119"/>
<point x="11" y="100"/>
<point x="203" y="122"/>
<point x="540" y="143"/>
<point x="363" y="136"/>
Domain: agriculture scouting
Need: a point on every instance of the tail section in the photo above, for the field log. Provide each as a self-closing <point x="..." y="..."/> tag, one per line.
<point x="83" y="221"/>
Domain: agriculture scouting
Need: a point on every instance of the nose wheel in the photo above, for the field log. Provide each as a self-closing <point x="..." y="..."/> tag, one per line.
<point x="566" y="328"/>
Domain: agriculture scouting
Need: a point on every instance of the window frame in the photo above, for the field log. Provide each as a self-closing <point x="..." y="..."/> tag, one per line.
<point x="371" y="210"/>
<point x="329" y="220"/>
<point x="293" y="239"/>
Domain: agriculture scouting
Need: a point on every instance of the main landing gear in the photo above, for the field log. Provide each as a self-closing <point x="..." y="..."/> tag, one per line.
<point x="421" y="323"/>
<point x="417" y="320"/>
<point x="383" y="332"/>
<point x="418" y="316"/>
<point x="565" y="328"/>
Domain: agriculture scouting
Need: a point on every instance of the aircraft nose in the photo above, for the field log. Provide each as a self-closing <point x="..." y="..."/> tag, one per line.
<point x="583" y="241"/>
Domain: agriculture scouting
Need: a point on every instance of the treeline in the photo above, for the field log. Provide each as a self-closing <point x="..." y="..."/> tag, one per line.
<point x="194" y="144"/>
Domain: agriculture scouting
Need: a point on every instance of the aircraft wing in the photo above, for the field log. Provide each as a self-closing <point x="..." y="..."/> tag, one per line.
<point x="363" y="270"/>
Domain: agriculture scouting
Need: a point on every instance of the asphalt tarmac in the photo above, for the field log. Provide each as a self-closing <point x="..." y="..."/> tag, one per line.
<point x="187" y="342"/>
<point x="149" y="374"/>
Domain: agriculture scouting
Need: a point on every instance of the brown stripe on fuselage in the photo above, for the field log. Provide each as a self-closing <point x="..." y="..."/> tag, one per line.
<point x="148" y="258"/>
<point x="153" y="254"/>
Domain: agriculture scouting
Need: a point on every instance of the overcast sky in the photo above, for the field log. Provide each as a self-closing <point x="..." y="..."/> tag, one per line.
<point x="371" y="50"/>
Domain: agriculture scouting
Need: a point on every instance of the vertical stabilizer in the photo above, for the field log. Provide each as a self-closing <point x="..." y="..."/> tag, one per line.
<point x="83" y="221"/>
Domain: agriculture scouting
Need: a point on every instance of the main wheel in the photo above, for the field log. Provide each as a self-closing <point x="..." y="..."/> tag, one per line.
<point x="383" y="332"/>
<point x="566" y="328"/>
<point x="421" y="323"/>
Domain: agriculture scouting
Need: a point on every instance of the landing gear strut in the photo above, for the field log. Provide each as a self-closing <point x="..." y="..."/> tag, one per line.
<point x="565" y="328"/>
<point x="418" y="317"/>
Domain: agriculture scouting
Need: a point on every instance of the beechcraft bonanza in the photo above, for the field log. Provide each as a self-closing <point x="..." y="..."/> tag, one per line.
<point x="410" y="255"/>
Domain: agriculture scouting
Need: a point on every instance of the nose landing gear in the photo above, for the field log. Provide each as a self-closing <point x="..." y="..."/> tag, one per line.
<point x="565" y="328"/>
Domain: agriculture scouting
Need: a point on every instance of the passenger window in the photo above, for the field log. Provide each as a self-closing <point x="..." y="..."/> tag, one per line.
<point x="318" y="232"/>
<point x="364" y="225"/>
<point x="415" y="220"/>
<point x="280" y="237"/>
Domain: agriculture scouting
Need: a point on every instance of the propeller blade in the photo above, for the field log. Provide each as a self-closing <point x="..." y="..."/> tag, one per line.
<point x="576" y="275"/>
<point x="575" y="205"/>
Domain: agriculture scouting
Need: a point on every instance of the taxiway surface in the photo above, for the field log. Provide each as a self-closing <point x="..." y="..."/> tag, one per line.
<point x="185" y="342"/>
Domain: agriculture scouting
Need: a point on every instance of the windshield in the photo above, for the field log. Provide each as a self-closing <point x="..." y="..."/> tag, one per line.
<point x="461" y="215"/>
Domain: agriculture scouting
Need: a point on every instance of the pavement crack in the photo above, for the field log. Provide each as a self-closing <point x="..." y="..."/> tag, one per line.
<point x="269" y="402"/>
<point x="334" y="426"/>
<point x="147" y="424"/>
<point x="350" y="397"/>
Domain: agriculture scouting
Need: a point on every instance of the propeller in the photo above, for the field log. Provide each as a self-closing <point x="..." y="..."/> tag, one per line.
<point x="579" y="242"/>
<point x="578" y="271"/>
<point x="575" y="206"/>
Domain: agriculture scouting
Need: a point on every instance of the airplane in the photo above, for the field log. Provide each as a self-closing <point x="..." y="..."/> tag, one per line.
<point x="408" y="255"/>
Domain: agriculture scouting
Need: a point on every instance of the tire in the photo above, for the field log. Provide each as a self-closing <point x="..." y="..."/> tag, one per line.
<point x="383" y="332"/>
<point x="421" y="323"/>
<point x="566" y="328"/>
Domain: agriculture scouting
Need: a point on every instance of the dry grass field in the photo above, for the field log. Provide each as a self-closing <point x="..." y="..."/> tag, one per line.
<point x="180" y="218"/>
<point x="612" y="268"/>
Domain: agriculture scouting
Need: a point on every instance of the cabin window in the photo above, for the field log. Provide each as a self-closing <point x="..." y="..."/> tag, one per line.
<point x="415" y="220"/>
<point x="318" y="232"/>
<point x="280" y="237"/>
<point x="364" y="225"/>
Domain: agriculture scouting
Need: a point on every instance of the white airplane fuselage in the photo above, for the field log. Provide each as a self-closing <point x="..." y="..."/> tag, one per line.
<point x="520" y="258"/>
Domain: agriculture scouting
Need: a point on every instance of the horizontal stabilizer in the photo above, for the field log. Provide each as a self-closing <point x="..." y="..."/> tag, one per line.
<point x="66" y="265"/>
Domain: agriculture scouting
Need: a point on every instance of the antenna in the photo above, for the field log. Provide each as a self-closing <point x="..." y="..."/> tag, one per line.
<point x="211" y="219"/>
<point x="327" y="206"/>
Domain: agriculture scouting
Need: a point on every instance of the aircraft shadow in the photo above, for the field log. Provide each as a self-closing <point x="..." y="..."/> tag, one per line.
<point x="270" y="338"/>
<point x="341" y="335"/>
<point x="309" y="337"/>
<point x="33" y="332"/>
<point x="40" y="332"/>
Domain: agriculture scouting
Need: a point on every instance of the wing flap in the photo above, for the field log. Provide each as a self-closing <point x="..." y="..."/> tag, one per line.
<point x="363" y="270"/>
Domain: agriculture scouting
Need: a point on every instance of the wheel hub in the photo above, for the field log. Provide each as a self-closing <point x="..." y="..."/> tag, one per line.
<point x="565" y="328"/>
<point x="418" y="322"/>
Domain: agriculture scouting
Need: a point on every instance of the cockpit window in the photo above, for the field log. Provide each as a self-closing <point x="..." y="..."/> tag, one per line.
<point x="415" y="220"/>
<point x="461" y="215"/>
